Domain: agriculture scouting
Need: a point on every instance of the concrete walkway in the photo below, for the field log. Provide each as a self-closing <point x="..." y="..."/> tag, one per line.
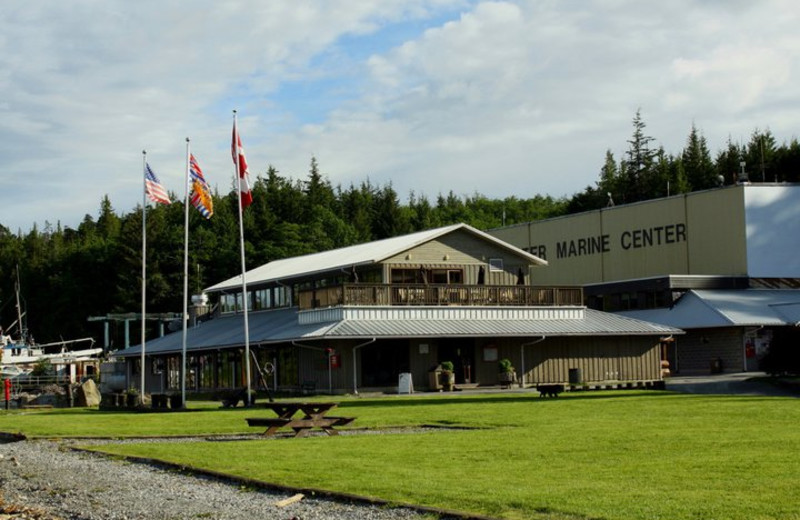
<point x="734" y="383"/>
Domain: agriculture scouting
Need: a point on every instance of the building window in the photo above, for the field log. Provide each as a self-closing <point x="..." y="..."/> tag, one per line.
<point x="445" y="276"/>
<point x="409" y="275"/>
<point x="283" y="297"/>
<point x="263" y="299"/>
<point x="205" y="371"/>
<point x="227" y="303"/>
<point x="495" y="264"/>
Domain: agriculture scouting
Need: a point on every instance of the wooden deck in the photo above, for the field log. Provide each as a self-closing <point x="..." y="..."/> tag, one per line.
<point x="366" y="294"/>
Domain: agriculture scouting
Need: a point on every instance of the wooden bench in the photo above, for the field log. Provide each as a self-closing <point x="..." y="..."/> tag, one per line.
<point x="341" y="421"/>
<point x="273" y="424"/>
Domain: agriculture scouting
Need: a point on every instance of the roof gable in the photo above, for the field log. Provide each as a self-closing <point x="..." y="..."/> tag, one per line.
<point x="343" y="259"/>
<point x="726" y="308"/>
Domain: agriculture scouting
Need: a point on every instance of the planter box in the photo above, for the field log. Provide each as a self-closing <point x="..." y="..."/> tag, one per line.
<point x="506" y="379"/>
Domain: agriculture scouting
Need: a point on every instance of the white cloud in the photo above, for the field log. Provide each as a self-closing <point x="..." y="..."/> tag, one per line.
<point x="502" y="98"/>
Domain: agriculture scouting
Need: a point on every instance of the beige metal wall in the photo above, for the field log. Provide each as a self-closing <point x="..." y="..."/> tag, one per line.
<point x="463" y="250"/>
<point x="697" y="233"/>
<point x="598" y="359"/>
<point x="718" y="240"/>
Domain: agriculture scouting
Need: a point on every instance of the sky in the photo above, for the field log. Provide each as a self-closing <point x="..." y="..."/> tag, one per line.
<point x="501" y="98"/>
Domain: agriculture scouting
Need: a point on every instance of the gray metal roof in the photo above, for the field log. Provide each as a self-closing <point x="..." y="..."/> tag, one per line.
<point x="281" y="326"/>
<point x="726" y="308"/>
<point x="361" y="254"/>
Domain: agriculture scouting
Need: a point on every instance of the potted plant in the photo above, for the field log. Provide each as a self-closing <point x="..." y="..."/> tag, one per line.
<point x="507" y="375"/>
<point x="448" y="377"/>
<point x="132" y="397"/>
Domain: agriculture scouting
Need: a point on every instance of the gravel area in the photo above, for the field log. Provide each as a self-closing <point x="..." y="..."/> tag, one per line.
<point x="45" y="480"/>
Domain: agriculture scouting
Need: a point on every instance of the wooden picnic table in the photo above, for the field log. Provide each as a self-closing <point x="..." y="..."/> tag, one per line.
<point x="313" y="415"/>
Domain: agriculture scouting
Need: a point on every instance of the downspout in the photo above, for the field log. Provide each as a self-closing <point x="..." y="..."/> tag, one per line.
<point x="522" y="356"/>
<point x="355" y="372"/>
<point x="330" y="376"/>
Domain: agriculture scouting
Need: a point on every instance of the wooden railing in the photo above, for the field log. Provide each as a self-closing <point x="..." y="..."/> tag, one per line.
<point x="439" y="294"/>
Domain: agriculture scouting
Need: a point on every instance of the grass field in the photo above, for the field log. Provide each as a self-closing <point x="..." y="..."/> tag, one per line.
<point x="610" y="455"/>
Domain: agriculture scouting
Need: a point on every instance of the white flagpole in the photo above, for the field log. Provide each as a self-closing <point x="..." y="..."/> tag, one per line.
<point x="144" y="262"/>
<point x="185" y="314"/>
<point x="238" y="183"/>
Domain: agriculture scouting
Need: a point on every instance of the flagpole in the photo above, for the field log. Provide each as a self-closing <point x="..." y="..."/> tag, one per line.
<point x="237" y="183"/>
<point x="144" y="261"/>
<point x="185" y="279"/>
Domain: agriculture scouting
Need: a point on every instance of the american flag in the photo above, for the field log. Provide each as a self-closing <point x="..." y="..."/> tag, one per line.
<point x="153" y="187"/>
<point x="201" y="194"/>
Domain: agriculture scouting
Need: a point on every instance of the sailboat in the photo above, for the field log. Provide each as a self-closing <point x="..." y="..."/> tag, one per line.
<point x="19" y="356"/>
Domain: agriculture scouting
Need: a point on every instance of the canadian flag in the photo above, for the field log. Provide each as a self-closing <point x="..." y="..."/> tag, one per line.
<point x="237" y="152"/>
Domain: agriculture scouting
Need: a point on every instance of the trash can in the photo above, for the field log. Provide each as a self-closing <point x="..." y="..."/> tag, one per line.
<point x="575" y="376"/>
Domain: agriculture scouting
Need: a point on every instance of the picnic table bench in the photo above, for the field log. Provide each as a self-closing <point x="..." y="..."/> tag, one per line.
<point x="313" y="416"/>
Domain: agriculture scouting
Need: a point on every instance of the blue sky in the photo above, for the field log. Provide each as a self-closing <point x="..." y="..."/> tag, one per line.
<point x="500" y="98"/>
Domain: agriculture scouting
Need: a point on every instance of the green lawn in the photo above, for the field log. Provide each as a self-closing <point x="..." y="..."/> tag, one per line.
<point x="611" y="455"/>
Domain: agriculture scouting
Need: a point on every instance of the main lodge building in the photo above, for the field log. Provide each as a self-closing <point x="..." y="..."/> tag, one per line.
<point x="356" y="318"/>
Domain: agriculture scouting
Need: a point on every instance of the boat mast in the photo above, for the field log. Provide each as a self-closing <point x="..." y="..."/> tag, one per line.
<point x="19" y="309"/>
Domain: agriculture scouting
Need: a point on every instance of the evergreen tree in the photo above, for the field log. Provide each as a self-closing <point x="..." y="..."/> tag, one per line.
<point x="422" y="213"/>
<point x="698" y="166"/>
<point x="759" y="156"/>
<point x="357" y="209"/>
<point x="728" y="162"/>
<point x="640" y="158"/>
<point x="787" y="162"/>
<point x="390" y="220"/>
<point x="318" y="192"/>
<point x="609" y="179"/>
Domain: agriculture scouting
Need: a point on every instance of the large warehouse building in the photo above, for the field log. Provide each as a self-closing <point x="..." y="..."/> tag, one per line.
<point x="722" y="264"/>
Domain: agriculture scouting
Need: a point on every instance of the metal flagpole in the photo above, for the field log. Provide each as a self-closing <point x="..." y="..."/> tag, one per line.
<point x="238" y="182"/>
<point x="144" y="260"/>
<point x="185" y="315"/>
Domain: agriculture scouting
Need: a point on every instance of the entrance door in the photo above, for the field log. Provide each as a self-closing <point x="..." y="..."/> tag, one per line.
<point x="462" y="353"/>
<point x="383" y="362"/>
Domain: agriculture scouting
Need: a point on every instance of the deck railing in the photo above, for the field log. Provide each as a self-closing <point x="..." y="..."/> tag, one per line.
<point x="439" y="294"/>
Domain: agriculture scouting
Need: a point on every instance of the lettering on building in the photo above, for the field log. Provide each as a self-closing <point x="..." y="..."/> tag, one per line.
<point x="627" y="240"/>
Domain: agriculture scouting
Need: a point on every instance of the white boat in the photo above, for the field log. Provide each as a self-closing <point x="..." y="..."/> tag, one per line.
<point x="18" y="357"/>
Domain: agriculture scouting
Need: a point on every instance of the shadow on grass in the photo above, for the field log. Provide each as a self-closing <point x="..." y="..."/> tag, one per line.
<point x="523" y="398"/>
<point x="438" y="400"/>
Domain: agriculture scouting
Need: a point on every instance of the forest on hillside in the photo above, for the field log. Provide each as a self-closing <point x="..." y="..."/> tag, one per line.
<point x="67" y="275"/>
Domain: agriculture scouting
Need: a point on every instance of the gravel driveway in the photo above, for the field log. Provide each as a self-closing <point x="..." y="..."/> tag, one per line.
<point x="55" y="482"/>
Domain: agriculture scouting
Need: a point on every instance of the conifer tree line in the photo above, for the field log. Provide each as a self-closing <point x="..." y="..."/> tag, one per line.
<point x="68" y="275"/>
<point x="646" y="171"/>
